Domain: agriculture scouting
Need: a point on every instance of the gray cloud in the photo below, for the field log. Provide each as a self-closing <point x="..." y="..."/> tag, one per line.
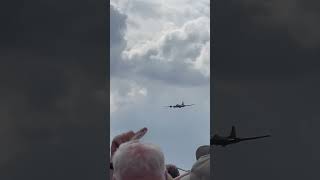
<point x="52" y="72"/>
<point x="171" y="57"/>
<point x="118" y="44"/>
<point x="298" y="17"/>
<point x="118" y="28"/>
<point x="145" y="8"/>
<point x="264" y="82"/>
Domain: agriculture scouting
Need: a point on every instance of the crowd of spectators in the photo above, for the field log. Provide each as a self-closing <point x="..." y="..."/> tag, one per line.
<point x="132" y="159"/>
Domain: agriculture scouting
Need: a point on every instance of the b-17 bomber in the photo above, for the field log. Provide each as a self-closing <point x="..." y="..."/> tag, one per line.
<point x="231" y="139"/>
<point x="180" y="105"/>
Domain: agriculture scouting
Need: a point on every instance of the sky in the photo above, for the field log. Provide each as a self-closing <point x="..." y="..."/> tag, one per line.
<point x="266" y="81"/>
<point x="265" y="74"/>
<point x="160" y="56"/>
<point x="52" y="74"/>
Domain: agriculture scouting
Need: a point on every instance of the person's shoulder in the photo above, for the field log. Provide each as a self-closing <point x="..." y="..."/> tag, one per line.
<point x="169" y="177"/>
<point x="201" y="168"/>
<point x="185" y="176"/>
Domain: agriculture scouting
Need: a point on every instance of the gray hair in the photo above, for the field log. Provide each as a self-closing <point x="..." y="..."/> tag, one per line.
<point x="135" y="158"/>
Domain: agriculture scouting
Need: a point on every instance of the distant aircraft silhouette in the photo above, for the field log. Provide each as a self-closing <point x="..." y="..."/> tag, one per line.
<point x="180" y="105"/>
<point x="231" y="139"/>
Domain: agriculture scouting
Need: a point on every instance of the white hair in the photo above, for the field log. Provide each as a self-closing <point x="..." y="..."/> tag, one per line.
<point x="136" y="159"/>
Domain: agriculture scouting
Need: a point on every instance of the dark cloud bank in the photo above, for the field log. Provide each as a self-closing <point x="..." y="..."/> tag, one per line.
<point x="266" y="76"/>
<point x="53" y="76"/>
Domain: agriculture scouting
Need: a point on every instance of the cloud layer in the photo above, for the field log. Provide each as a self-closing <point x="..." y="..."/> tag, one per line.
<point x="266" y="83"/>
<point x="52" y="74"/>
<point x="298" y="17"/>
<point x="175" y="56"/>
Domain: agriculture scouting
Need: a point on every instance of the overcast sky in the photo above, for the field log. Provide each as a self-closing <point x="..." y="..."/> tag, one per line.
<point x="52" y="74"/>
<point x="160" y="56"/>
<point x="266" y="78"/>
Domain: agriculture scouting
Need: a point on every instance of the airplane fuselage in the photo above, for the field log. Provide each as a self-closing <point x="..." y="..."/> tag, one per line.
<point x="231" y="139"/>
<point x="224" y="141"/>
<point x="180" y="105"/>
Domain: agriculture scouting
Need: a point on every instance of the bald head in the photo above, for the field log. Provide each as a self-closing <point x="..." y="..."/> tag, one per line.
<point x="134" y="160"/>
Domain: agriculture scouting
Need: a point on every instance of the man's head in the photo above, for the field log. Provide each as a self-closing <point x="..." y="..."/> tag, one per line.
<point x="138" y="161"/>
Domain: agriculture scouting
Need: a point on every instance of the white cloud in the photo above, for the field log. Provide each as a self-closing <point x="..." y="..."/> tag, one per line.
<point x="125" y="93"/>
<point x="159" y="46"/>
<point x="179" y="52"/>
<point x="202" y="62"/>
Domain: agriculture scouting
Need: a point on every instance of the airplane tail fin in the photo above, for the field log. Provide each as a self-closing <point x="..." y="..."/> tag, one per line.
<point x="182" y="103"/>
<point x="233" y="132"/>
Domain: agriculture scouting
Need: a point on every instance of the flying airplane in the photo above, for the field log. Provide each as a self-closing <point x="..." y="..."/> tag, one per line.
<point x="231" y="139"/>
<point x="180" y="105"/>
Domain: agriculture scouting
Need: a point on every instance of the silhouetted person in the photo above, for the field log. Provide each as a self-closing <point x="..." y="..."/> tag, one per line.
<point x="172" y="170"/>
<point x="201" y="168"/>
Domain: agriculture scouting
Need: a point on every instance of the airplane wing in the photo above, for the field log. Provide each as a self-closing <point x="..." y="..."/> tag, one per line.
<point x="252" y="138"/>
<point x="189" y="104"/>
